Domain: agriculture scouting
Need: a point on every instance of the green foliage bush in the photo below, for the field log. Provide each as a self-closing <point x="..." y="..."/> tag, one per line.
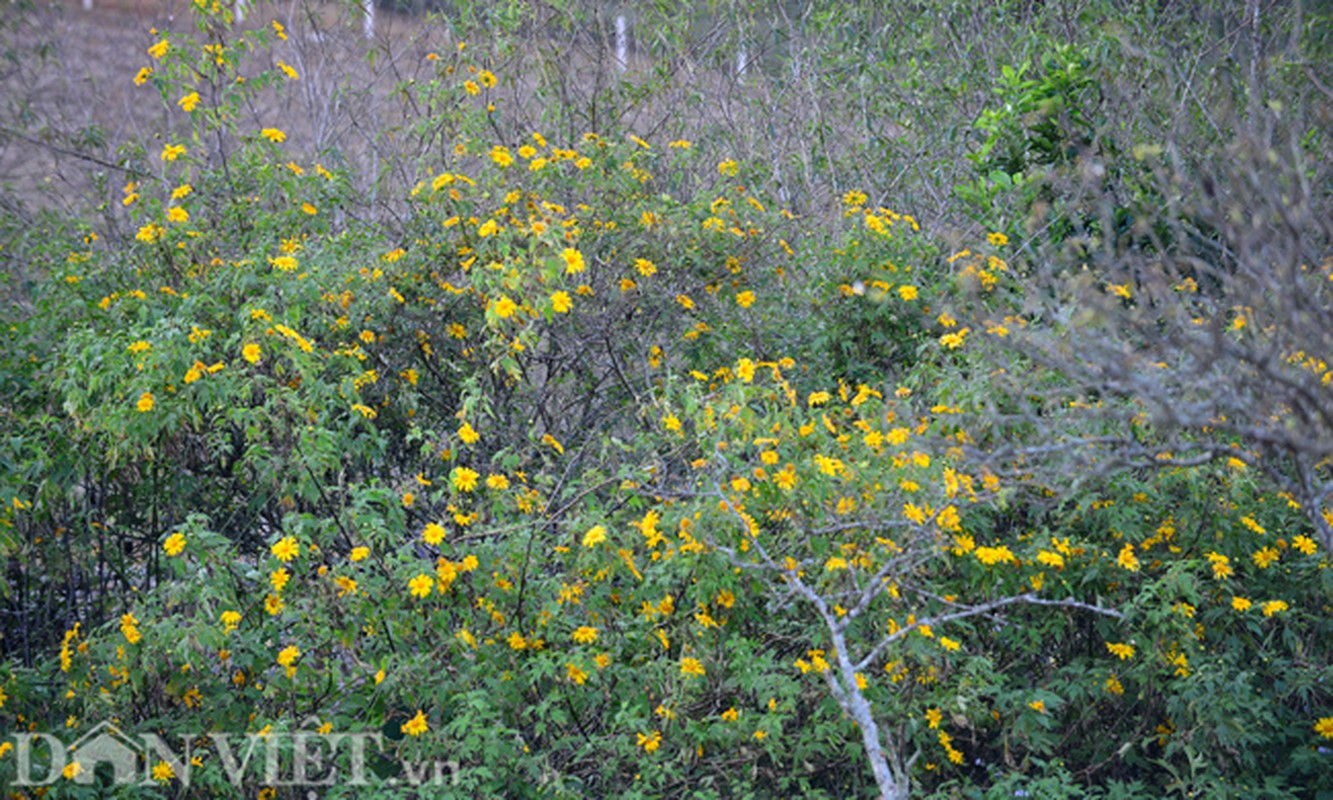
<point x="599" y="471"/>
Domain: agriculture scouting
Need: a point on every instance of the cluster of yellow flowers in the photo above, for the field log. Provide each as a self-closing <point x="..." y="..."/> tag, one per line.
<point x="129" y="628"/>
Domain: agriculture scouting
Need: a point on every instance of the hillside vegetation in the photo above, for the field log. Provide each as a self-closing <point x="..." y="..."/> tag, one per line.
<point x="824" y="400"/>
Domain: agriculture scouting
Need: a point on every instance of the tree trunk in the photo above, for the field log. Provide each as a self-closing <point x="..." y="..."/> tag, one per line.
<point x="890" y="775"/>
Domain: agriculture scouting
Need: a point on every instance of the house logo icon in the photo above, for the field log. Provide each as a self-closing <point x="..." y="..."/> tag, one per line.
<point x="106" y="744"/>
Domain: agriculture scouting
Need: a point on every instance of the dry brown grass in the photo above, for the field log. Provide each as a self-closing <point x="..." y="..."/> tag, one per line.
<point x="83" y="117"/>
<point x="72" y="109"/>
